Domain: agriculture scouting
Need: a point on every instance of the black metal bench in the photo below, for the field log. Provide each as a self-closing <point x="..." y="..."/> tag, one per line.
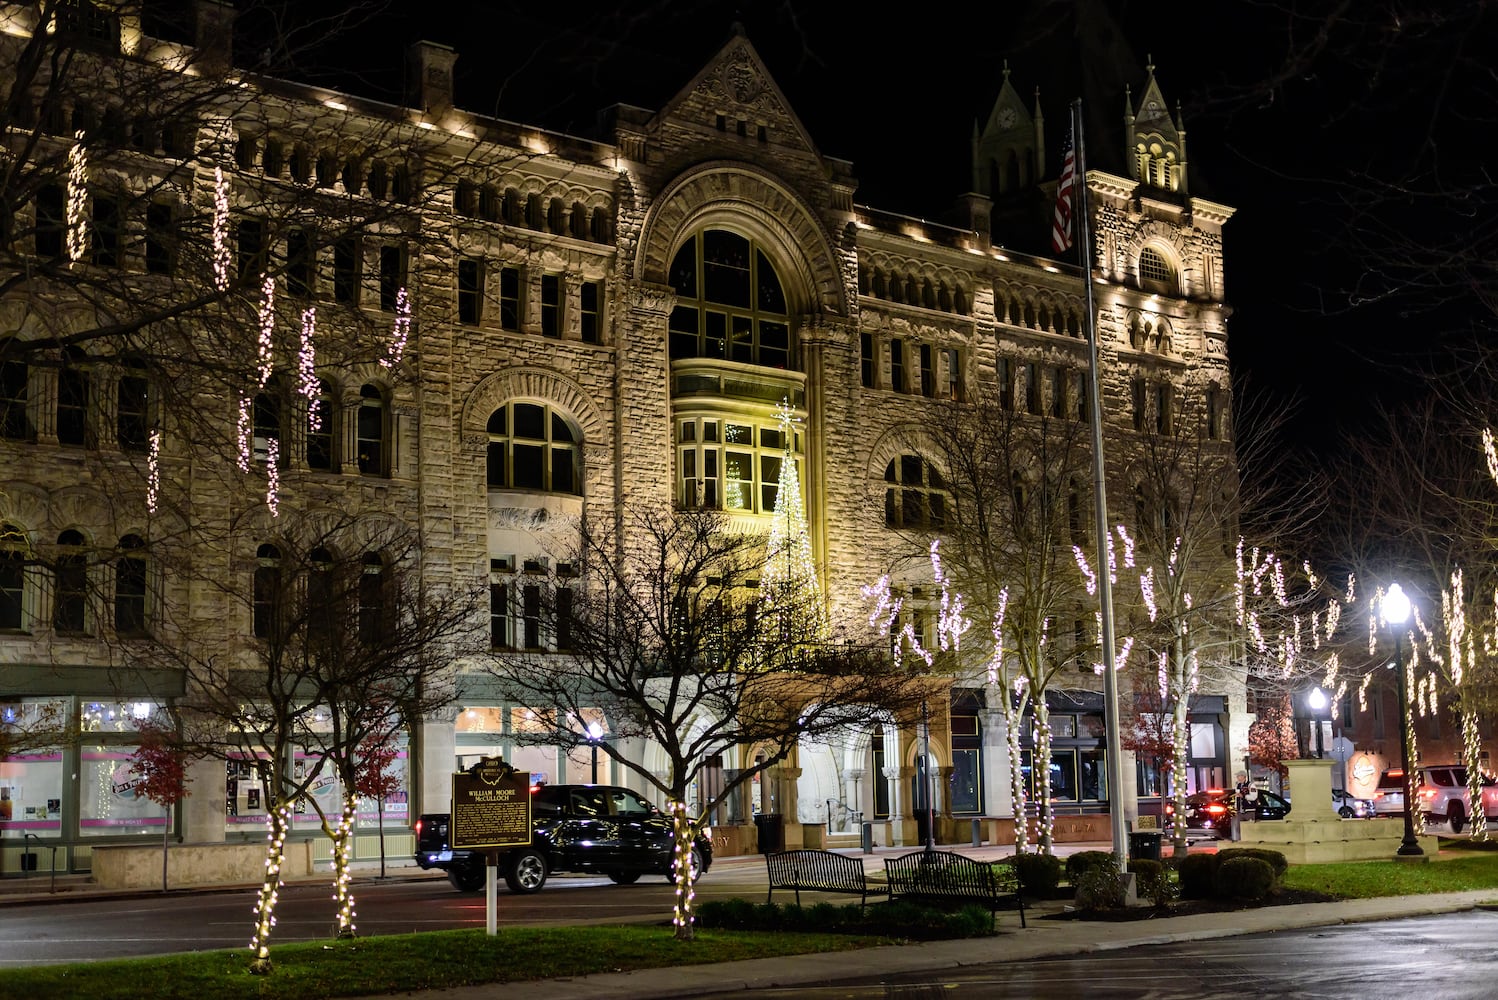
<point x="941" y="877"/>
<point x="818" y="871"/>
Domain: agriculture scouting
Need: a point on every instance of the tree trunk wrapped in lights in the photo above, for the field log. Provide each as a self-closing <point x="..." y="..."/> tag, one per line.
<point x="278" y="819"/>
<point x="684" y="872"/>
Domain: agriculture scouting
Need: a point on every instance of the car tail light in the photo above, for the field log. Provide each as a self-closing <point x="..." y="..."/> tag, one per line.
<point x="1427" y="793"/>
<point x="1170" y="808"/>
<point x="1217" y="810"/>
<point x="418" y="829"/>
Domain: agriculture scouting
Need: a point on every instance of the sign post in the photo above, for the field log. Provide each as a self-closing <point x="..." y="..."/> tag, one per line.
<point x="491" y="810"/>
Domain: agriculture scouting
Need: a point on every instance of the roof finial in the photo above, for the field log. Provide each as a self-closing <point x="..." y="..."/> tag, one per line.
<point x="1006" y="70"/>
<point x="1149" y="63"/>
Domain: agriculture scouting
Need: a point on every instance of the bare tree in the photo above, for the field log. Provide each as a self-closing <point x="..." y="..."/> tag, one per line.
<point x="660" y="633"/>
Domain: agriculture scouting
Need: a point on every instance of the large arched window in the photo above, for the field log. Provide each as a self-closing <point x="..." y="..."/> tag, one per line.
<point x="730" y="302"/>
<point x="266" y="598"/>
<point x="70" y="584"/>
<point x="916" y="496"/>
<point x="12" y="578"/>
<point x="130" y="587"/>
<point x="533" y="447"/>
<point x="14" y="422"/>
<point x="1155" y="272"/>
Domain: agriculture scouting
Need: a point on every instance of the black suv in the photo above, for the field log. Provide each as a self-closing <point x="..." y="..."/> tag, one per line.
<point x="595" y="829"/>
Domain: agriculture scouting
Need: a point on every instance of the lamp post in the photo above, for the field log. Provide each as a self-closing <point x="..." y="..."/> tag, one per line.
<point x="595" y="734"/>
<point x="1316" y="701"/>
<point x="924" y="774"/>
<point x="1396" y="611"/>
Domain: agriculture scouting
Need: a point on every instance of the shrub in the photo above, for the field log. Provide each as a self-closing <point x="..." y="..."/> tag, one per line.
<point x="1083" y="862"/>
<point x="1152" y="881"/>
<point x="897" y="919"/>
<point x="1274" y="859"/>
<point x="1100" y="888"/>
<point x="729" y="914"/>
<point x="1245" y="877"/>
<point x="1038" y="874"/>
<point x="1198" y="873"/>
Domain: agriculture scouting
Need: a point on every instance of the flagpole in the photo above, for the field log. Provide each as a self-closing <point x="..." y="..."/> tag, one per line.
<point x="1100" y="503"/>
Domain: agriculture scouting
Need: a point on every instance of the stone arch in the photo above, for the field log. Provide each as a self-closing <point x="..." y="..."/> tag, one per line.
<point x="81" y="507"/>
<point x="754" y="203"/>
<point x="902" y="439"/>
<point x="534" y="383"/>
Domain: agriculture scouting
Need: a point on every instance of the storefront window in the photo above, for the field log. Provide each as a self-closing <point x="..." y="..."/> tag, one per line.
<point x="1064" y="775"/>
<point x="966" y="782"/>
<point x="396" y="804"/>
<point x="119" y="716"/>
<point x="31" y="793"/>
<point x="245" y="804"/>
<point x="107" y="803"/>
<point x="1092" y="769"/>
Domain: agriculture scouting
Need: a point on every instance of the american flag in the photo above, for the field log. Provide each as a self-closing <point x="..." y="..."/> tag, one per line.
<point x="1061" y="228"/>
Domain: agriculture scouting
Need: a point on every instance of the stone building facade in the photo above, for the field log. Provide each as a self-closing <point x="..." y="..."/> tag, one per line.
<point x="593" y="324"/>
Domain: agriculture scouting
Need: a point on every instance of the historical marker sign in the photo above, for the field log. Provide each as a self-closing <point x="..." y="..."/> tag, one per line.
<point x="491" y="807"/>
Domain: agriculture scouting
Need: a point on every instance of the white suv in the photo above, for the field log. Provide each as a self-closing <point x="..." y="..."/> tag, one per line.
<point x="1442" y="794"/>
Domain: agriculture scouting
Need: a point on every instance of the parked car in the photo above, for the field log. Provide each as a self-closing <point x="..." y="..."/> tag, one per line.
<point x="596" y="829"/>
<point x="1211" y="811"/>
<point x="1349" y="806"/>
<point x="1442" y="793"/>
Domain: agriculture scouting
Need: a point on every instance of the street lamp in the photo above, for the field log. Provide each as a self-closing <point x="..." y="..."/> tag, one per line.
<point x="1396" y="611"/>
<point x="595" y="734"/>
<point x="1316" y="701"/>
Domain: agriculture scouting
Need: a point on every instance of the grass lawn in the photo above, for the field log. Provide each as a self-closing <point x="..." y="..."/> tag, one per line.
<point x="1461" y="868"/>
<point x="399" y="963"/>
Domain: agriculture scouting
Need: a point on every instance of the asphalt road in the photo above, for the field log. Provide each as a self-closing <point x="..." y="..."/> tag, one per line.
<point x="48" y="933"/>
<point x="1447" y="957"/>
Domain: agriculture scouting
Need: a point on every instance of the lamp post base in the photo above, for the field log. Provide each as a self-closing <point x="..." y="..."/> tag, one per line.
<point x="1410" y="849"/>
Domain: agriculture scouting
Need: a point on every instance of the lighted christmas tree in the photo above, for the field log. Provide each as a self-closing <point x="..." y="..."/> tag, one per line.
<point x="793" y="612"/>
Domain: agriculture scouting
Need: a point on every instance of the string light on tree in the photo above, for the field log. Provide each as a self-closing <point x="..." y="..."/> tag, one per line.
<point x="306" y="365"/>
<point x="273" y="476"/>
<point x="220" y="230"/>
<point x="343" y="879"/>
<point x="278" y="821"/>
<point x="400" y="332"/>
<point x="153" y="472"/>
<point x="77" y="209"/>
<point x="242" y="435"/>
<point x="267" y="329"/>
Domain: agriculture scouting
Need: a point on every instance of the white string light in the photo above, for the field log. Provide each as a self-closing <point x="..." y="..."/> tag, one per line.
<point x="400" y="331"/>
<point x="242" y="434"/>
<point x="77" y="217"/>
<point x="153" y="472"/>
<point x="306" y="364"/>
<point x="220" y="230"/>
<point x="267" y="328"/>
<point x="273" y="476"/>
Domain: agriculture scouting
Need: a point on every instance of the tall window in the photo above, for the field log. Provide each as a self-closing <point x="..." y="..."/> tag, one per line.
<point x="106" y="231"/>
<point x="509" y="298"/>
<point x="470" y="291"/>
<point x="1004" y="374"/>
<point x="51" y="221"/>
<point x="530" y="615"/>
<point x="265" y="417"/>
<point x="130" y="587"/>
<point x="588" y="303"/>
<point x="373" y="625"/>
<point x="1154" y="271"/>
<point x="371" y="431"/>
<point x="70" y="584"/>
<point x="266" y="598"/>
<point x="346" y="253"/>
<point x="161" y="246"/>
<point x="730" y="464"/>
<point x="1058" y="393"/>
<point x="551" y="305"/>
<point x="12" y="577"/>
<point x="499" y="615"/>
<point x="532" y="447"/>
<point x="1140" y="394"/>
<point x="14" y="422"/>
<point x="1079" y="396"/>
<point x="132" y="418"/>
<point x="73" y="402"/>
<point x="392" y="275"/>
<point x="928" y="370"/>
<point x="897" y="365"/>
<point x="730" y="302"/>
<point x="250" y="248"/>
<point x="301" y="263"/>
<point x="1213" y="406"/>
<point x="954" y="374"/>
<point x="1032" y="388"/>
<point x="916" y="496"/>
<point x="1164" y="421"/>
<point x="866" y="359"/>
<point x="320" y="441"/>
<point x="322" y="599"/>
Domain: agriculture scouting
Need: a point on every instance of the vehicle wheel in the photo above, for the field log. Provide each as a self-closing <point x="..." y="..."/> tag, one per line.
<point x="696" y="866"/>
<point x="468" y="878"/>
<point x="1456" y="816"/>
<point x="1345" y="812"/>
<point x="527" y="872"/>
<point x="624" y="878"/>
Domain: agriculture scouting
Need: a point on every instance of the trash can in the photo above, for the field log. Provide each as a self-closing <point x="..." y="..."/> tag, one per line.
<point x="1144" y="845"/>
<point x="771" y="832"/>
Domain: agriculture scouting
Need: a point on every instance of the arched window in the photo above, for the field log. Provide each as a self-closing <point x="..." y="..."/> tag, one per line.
<point x="15" y="424"/>
<point x="532" y="447"/>
<point x="12" y="578"/>
<point x="130" y="587"/>
<point x="73" y="397"/>
<point x="266" y="598"/>
<point x="916" y="496"/>
<point x="730" y="302"/>
<point x="322" y="415"/>
<point x="266" y="417"/>
<point x="556" y="217"/>
<point x="373" y="626"/>
<point x="373" y="414"/>
<point x="70" y="584"/>
<point x="1155" y="273"/>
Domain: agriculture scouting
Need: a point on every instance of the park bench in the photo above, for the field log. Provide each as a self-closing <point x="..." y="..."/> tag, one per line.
<point x="818" y="871"/>
<point x="941" y="876"/>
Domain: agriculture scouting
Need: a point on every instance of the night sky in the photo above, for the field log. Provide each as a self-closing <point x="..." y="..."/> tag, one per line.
<point x="1279" y="114"/>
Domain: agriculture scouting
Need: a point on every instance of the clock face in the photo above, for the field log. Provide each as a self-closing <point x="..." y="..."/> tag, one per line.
<point x="1006" y="118"/>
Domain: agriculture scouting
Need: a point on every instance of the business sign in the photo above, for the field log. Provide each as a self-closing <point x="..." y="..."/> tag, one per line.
<point x="491" y="807"/>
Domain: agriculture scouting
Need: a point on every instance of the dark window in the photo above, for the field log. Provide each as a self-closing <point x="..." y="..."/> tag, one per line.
<point x="373" y="626"/>
<point x="1213" y="407"/>
<point x="251" y="247"/>
<point x="730" y="302"/>
<point x="130" y="587"/>
<point x="132" y="427"/>
<point x="1004" y="373"/>
<point x="928" y="371"/>
<point x="564" y="618"/>
<point x="897" y="365"/>
<point x="509" y="298"/>
<point x="1164" y="423"/>
<point x="531" y="610"/>
<point x="12" y="576"/>
<point x="499" y="615"/>
<point x="106" y="231"/>
<point x="322" y="415"/>
<point x="265" y="419"/>
<point x="346" y="270"/>
<point x="72" y="405"/>
<point x="392" y="276"/>
<point x="916" y="494"/>
<point x="1140" y="399"/>
<point x="1080" y="395"/>
<point x="1032" y="388"/>
<point x="551" y="305"/>
<point x="371" y="431"/>
<point x="51" y="221"/>
<point x="322" y="601"/>
<point x="14" y="423"/>
<point x="954" y="374"/>
<point x="532" y="448"/>
<point x="866" y="359"/>
<point x="301" y="263"/>
<point x="470" y="290"/>
<point x="588" y="312"/>
<point x="70" y="579"/>
<point x="161" y="250"/>
<point x="1058" y="393"/>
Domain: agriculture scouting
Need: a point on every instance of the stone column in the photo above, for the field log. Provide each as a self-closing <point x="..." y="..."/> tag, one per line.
<point x="434" y="741"/>
<point x="203" y="810"/>
<point x="998" y="794"/>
